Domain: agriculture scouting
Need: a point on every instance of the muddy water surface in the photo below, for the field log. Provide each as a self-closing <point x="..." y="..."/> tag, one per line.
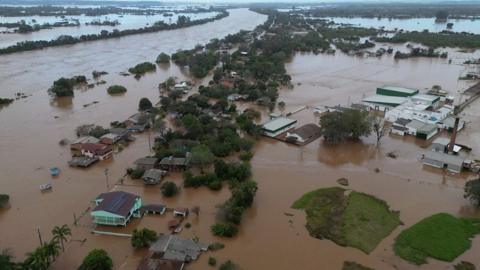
<point x="268" y="238"/>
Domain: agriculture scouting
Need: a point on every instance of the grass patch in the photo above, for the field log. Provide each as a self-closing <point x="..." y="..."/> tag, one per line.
<point x="367" y="221"/>
<point x="356" y="220"/>
<point x="441" y="236"/>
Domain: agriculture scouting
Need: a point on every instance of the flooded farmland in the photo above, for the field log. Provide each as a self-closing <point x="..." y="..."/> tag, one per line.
<point x="270" y="237"/>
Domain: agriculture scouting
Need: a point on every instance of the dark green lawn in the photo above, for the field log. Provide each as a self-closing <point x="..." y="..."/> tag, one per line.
<point x="441" y="236"/>
<point x="347" y="218"/>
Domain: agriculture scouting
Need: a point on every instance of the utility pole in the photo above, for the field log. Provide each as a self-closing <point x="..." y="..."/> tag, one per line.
<point x="39" y="236"/>
<point x="106" y="179"/>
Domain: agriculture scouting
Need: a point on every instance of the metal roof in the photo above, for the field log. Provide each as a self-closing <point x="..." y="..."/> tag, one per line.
<point x="116" y="202"/>
<point x="399" y="89"/>
<point x="385" y="99"/>
<point x="278" y="123"/>
<point x="445" y="158"/>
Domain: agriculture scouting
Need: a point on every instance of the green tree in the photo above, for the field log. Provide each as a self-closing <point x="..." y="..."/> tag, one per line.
<point x="143" y="238"/>
<point x="472" y="191"/>
<point x="97" y="259"/>
<point x="116" y="89"/>
<point x="52" y="249"/>
<point x="340" y="125"/>
<point x="163" y="58"/>
<point x="4" y="198"/>
<point x="224" y="229"/>
<point x="60" y="234"/>
<point x="37" y="260"/>
<point x="228" y="265"/>
<point x="169" y="189"/>
<point x="144" y="104"/>
<point x="6" y="261"/>
<point x="201" y="156"/>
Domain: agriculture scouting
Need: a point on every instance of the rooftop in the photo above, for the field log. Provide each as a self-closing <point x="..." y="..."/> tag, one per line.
<point x="153" y="174"/>
<point x="116" y="202"/>
<point x="389" y="100"/>
<point x="400" y="89"/>
<point x="175" y="248"/>
<point x="278" y="123"/>
<point x="445" y="158"/>
<point x="146" y="161"/>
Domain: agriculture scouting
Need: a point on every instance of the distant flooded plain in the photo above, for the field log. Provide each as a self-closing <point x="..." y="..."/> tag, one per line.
<point x="270" y="237"/>
<point x="412" y="24"/>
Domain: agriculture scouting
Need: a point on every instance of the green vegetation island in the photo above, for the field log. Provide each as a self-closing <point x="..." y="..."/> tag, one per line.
<point x="182" y="22"/>
<point x="348" y="218"/>
<point x="116" y="89"/>
<point x="441" y="236"/>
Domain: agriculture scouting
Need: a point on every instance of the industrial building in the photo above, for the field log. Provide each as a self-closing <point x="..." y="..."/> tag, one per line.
<point x="277" y="126"/>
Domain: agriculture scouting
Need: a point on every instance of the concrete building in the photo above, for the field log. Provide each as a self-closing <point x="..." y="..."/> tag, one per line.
<point x="421" y="130"/>
<point x="383" y="102"/>
<point x="277" y="126"/>
<point x="145" y="163"/>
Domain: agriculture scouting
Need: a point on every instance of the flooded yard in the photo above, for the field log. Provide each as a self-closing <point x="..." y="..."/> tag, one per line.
<point x="272" y="235"/>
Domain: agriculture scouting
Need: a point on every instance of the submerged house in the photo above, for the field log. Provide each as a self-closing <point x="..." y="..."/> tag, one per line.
<point x="153" y="176"/>
<point x="94" y="150"/>
<point x="452" y="163"/>
<point x="175" y="163"/>
<point x="304" y="134"/>
<point x="146" y="163"/>
<point x="116" y="208"/>
<point x="421" y="130"/>
<point x="277" y="126"/>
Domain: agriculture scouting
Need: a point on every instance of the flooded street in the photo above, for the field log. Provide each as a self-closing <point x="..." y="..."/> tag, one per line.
<point x="269" y="237"/>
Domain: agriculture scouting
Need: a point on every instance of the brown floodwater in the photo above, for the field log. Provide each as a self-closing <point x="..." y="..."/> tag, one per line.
<point x="268" y="239"/>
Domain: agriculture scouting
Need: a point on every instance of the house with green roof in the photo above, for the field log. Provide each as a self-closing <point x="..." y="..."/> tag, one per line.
<point x="396" y="91"/>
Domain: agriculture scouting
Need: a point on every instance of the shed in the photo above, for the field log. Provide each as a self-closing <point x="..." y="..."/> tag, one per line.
<point x="396" y="91"/>
<point x="180" y="211"/>
<point x="442" y="160"/>
<point x="153" y="176"/>
<point x="155" y="209"/>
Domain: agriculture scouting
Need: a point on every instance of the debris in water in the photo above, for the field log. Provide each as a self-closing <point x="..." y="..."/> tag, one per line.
<point x="392" y="154"/>
<point x="343" y="181"/>
<point x="288" y="214"/>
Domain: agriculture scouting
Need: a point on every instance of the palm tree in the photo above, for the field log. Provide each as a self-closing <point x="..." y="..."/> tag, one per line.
<point x="52" y="249"/>
<point x="61" y="233"/>
<point x="36" y="260"/>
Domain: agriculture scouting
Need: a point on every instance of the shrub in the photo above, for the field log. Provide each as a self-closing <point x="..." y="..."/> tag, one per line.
<point x="144" y="104"/>
<point x="5" y="101"/>
<point x="143" y="238"/>
<point x="246" y="156"/>
<point x="135" y="173"/>
<point x="228" y="265"/>
<point x="116" y="89"/>
<point x="212" y="261"/>
<point x="142" y="68"/>
<point x="169" y="189"/>
<point x="163" y="58"/>
<point x="224" y="229"/>
<point x="4" y="198"/>
<point x="216" y="246"/>
<point x="97" y="259"/>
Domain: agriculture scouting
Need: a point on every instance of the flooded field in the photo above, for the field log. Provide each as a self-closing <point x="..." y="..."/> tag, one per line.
<point x="126" y="22"/>
<point x="268" y="238"/>
<point x="414" y="24"/>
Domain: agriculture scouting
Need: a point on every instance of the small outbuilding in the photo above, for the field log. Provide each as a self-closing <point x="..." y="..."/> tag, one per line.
<point x="304" y="134"/>
<point x="452" y="163"/>
<point x="153" y="176"/>
<point x="180" y="211"/>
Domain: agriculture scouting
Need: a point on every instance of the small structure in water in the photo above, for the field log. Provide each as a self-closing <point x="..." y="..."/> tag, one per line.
<point x="54" y="171"/>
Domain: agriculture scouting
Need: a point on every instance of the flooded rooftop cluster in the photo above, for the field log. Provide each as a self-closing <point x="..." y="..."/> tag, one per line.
<point x="308" y="131"/>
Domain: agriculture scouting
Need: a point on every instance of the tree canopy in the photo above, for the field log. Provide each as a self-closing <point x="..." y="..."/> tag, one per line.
<point x="144" y="104"/>
<point x="472" y="191"/>
<point x="97" y="259"/>
<point x="341" y="125"/>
